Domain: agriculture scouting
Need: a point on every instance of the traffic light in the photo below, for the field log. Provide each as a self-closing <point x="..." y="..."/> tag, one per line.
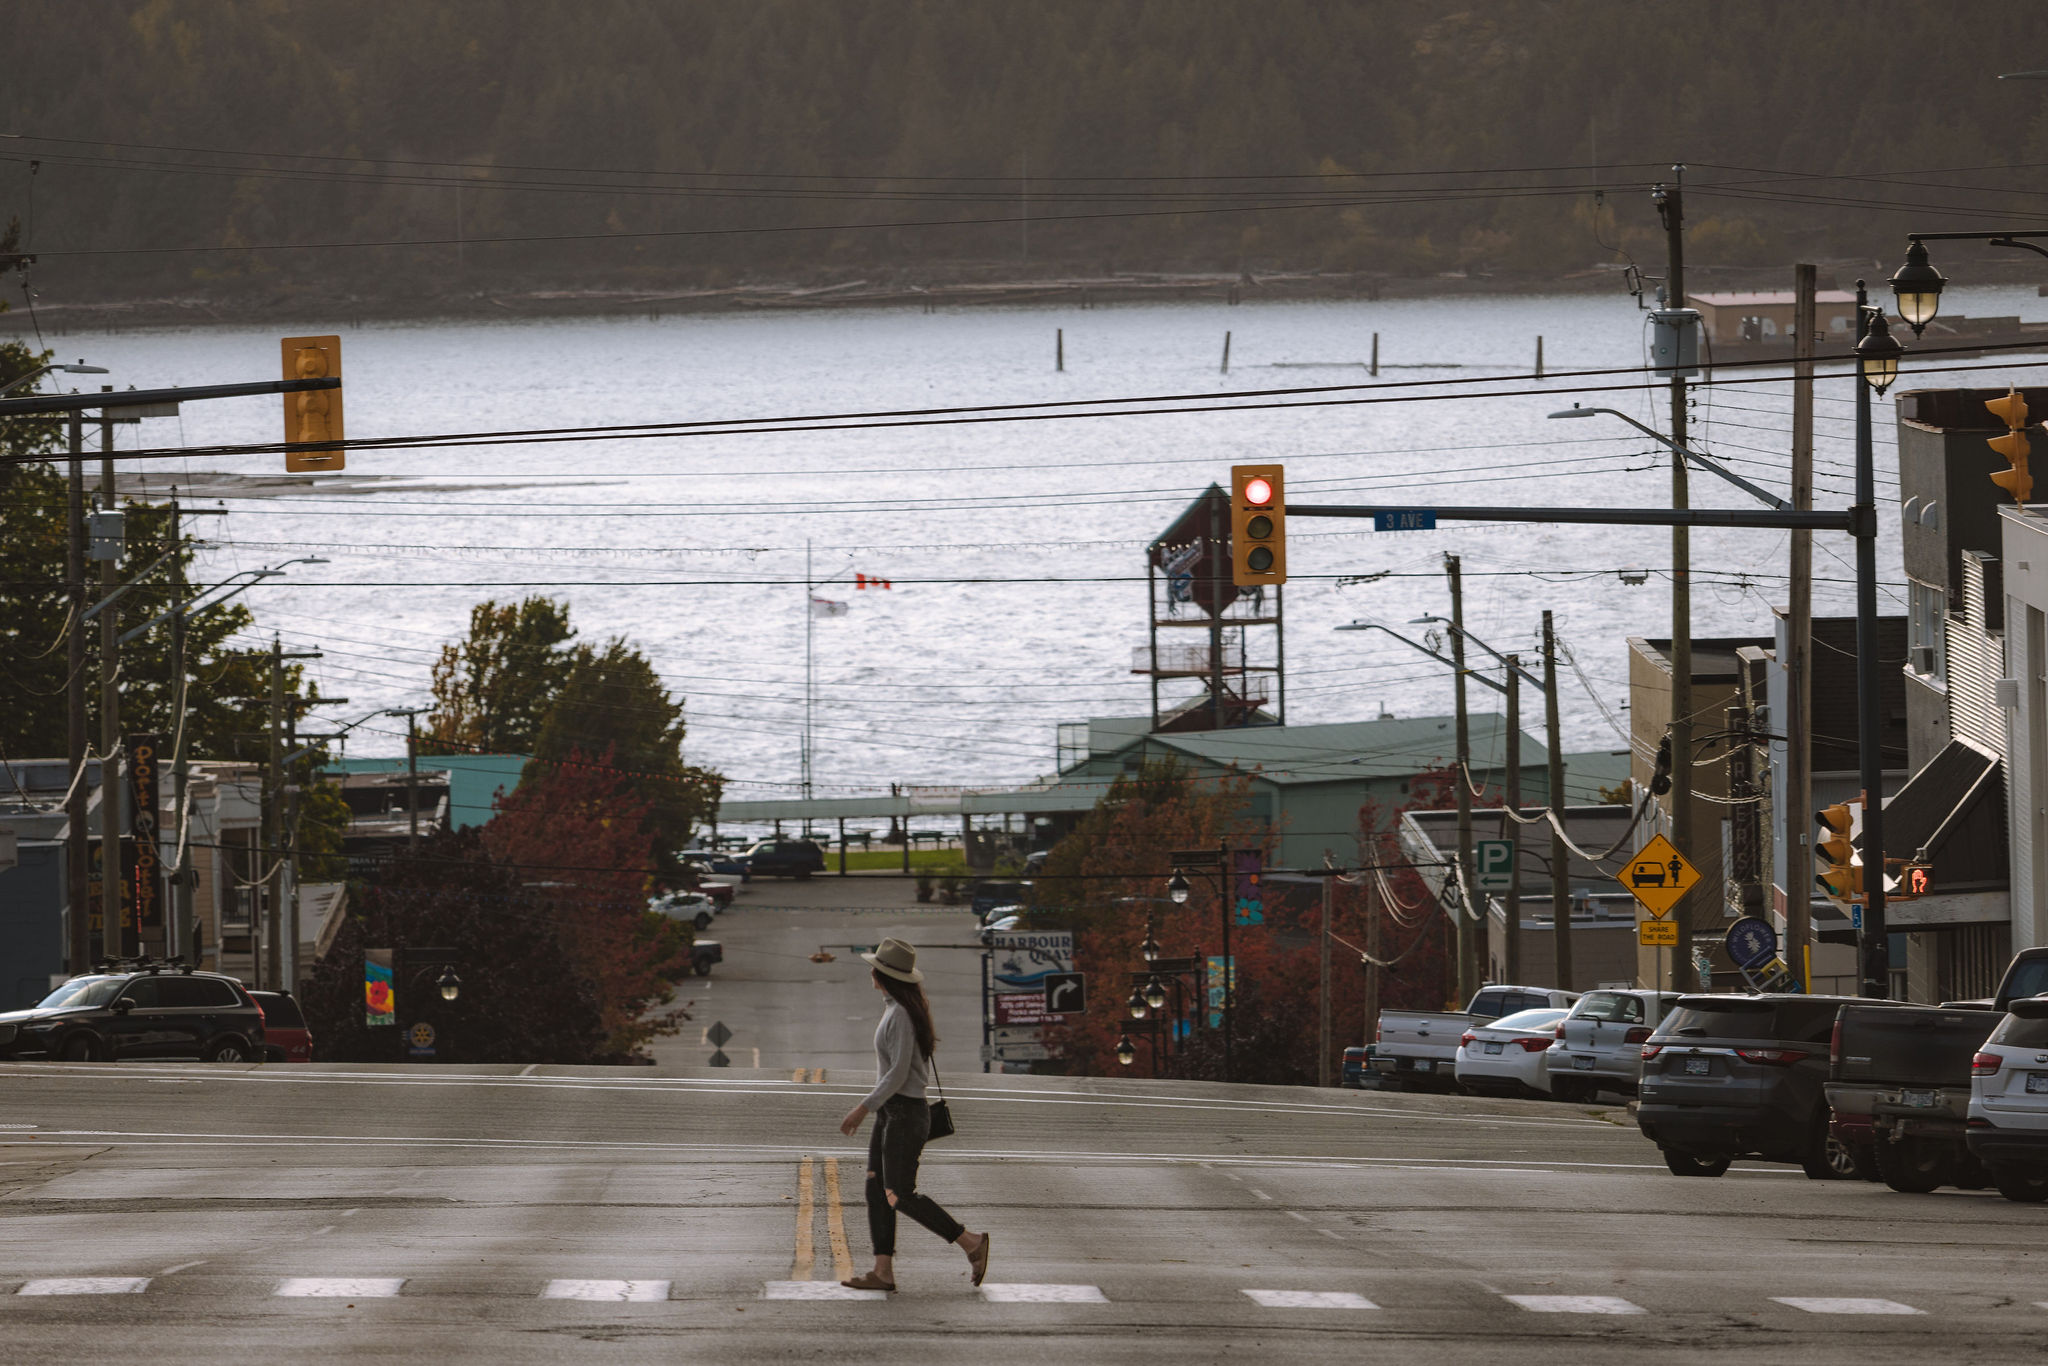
<point x="1258" y="526"/>
<point x="313" y="416"/>
<point x="2012" y="411"/>
<point x="1837" y="871"/>
<point x="1660" y="780"/>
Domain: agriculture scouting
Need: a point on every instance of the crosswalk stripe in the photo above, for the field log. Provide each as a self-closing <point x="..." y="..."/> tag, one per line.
<point x="1310" y="1299"/>
<point x="1574" y="1304"/>
<point x="817" y="1290"/>
<point x="340" y="1287"/>
<point x="86" y="1285"/>
<point x="1825" y="1305"/>
<point x="1015" y="1293"/>
<point x="631" y="1292"/>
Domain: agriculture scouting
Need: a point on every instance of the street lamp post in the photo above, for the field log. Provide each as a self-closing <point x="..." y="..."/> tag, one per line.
<point x="1177" y="892"/>
<point x="1877" y="356"/>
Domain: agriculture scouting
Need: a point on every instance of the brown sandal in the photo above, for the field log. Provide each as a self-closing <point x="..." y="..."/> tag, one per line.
<point x="868" y="1280"/>
<point x="978" y="1259"/>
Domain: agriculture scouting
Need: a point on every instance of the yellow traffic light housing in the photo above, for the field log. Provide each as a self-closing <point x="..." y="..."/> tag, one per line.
<point x="313" y="418"/>
<point x="2014" y="446"/>
<point x="1836" y="869"/>
<point x="1258" y="526"/>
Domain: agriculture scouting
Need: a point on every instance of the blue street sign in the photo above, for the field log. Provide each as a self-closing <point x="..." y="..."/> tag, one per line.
<point x="1752" y="942"/>
<point x="1856" y="916"/>
<point x="1407" y="519"/>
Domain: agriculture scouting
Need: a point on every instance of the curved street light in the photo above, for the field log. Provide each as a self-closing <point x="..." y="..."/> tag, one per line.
<point x="1155" y="993"/>
<point x="1877" y="355"/>
<point x="81" y="368"/>
<point x="1126" y="1051"/>
<point x="1177" y="889"/>
<point x="450" y="984"/>
<point x="1917" y="287"/>
<point x="1136" y="1004"/>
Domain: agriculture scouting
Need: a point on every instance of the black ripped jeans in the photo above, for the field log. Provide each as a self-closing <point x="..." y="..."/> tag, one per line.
<point x="901" y="1127"/>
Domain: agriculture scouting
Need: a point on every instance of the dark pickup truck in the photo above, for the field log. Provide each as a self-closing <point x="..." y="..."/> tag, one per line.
<point x="704" y="953"/>
<point x="2026" y="975"/>
<point x="1898" y="1092"/>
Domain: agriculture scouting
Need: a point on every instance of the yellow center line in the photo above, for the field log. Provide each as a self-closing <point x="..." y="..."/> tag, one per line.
<point x="835" y="1222"/>
<point x="800" y="1269"/>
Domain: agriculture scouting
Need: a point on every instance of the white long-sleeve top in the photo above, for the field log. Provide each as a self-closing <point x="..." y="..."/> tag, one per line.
<point x="900" y="1068"/>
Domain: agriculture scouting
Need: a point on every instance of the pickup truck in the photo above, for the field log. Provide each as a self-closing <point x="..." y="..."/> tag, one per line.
<point x="1898" y="1092"/>
<point x="2026" y="975"/>
<point x="1416" y="1049"/>
<point x="703" y="954"/>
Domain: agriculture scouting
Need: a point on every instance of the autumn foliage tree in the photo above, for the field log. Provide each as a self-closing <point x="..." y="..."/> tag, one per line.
<point x="583" y="830"/>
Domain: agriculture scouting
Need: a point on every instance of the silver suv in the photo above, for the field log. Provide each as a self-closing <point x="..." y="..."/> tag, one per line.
<point x="2008" y="1118"/>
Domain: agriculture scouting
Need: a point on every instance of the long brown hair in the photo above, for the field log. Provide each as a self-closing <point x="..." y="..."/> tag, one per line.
<point x="910" y="996"/>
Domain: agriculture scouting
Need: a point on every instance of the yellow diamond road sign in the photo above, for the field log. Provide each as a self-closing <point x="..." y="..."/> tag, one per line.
<point x="1658" y="876"/>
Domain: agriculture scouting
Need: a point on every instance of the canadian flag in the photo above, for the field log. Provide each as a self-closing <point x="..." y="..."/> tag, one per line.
<point x="869" y="581"/>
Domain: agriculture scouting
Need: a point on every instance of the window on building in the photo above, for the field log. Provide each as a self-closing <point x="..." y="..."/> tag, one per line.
<point x="1926" y="649"/>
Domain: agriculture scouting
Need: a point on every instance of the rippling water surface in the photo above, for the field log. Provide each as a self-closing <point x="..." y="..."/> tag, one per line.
<point x="695" y="547"/>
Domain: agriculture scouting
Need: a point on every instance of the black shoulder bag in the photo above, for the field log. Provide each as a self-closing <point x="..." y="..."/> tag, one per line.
<point x="942" y="1115"/>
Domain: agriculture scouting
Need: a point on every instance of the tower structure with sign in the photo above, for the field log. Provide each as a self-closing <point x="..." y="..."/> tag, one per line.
<point x="1216" y="650"/>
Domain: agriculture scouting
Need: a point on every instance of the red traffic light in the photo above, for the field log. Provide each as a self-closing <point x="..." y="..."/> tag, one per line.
<point x="1258" y="492"/>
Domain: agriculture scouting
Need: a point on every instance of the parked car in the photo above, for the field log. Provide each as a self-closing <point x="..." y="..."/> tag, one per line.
<point x="694" y="907"/>
<point x="286" y="1037"/>
<point x="1898" y="1091"/>
<point x="785" y="858"/>
<point x="1011" y="911"/>
<point x="1418" y="1048"/>
<point x="703" y="954"/>
<point x="719" y="862"/>
<point x="1600" y="1044"/>
<point x="1353" y="1074"/>
<point x="2008" y="1115"/>
<point x="1741" y="1076"/>
<point x="2026" y="975"/>
<point x="155" y="1011"/>
<point x="997" y="924"/>
<point x="718" y="890"/>
<point x="1509" y="1055"/>
<point x="990" y="893"/>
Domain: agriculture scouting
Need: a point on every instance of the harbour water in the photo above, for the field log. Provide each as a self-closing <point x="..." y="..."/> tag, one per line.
<point x="1013" y="548"/>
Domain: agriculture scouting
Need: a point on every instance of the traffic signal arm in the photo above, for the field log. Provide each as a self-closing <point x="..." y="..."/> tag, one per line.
<point x="1258" y="526"/>
<point x="2014" y="446"/>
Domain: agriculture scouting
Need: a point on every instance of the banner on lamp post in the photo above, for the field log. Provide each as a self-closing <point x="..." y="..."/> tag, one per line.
<point x="380" y="1006"/>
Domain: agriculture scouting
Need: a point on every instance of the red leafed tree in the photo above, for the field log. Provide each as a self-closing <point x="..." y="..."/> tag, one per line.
<point x="1108" y="881"/>
<point x="582" y="830"/>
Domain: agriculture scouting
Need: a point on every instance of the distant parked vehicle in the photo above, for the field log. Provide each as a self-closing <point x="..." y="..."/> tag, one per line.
<point x="785" y="858"/>
<point x="997" y="925"/>
<point x="1354" y="1071"/>
<point x="990" y="893"/>
<point x="1600" y="1044"/>
<point x="703" y="954"/>
<point x="1898" y="1089"/>
<point x="1509" y="1055"/>
<point x="694" y="907"/>
<point x="1741" y="1076"/>
<point x="286" y="1037"/>
<point x="719" y="862"/>
<point x="155" y="1011"/>
<point x="2008" y="1116"/>
<point x="1420" y="1048"/>
<point x="719" y="891"/>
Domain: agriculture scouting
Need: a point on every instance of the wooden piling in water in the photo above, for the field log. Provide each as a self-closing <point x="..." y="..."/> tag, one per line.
<point x="1059" y="349"/>
<point x="1226" y="353"/>
<point x="1374" y="369"/>
<point x="1539" y="357"/>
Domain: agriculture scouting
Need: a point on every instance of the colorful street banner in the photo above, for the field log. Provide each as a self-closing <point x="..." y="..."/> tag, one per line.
<point x="1216" y="982"/>
<point x="1251" y="902"/>
<point x="380" y="1007"/>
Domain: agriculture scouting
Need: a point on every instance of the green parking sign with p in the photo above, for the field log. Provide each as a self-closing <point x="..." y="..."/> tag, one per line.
<point x="1493" y="865"/>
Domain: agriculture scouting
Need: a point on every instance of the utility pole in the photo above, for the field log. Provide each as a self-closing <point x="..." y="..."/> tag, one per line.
<point x="1219" y="554"/>
<point x="1374" y="953"/>
<point x="1323" y="978"/>
<point x="1226" y="880"/>
<point x="1560" y="868"/>
<point x="1798" y="857"/>
<point x="1671" y="208"/>
<point x="1511" y="930"/>
<point x="810" y="611"/>
<point x="114" y="925"/>
<point x="272" y="970"/>
<point x="412" y="780"/>
<point x="1468" y="931"/>
<point x="78" y="854"/>
<point x="180" y="927"/>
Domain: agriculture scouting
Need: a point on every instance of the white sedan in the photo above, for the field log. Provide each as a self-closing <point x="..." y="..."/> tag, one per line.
<point x="1510" y="1055"/>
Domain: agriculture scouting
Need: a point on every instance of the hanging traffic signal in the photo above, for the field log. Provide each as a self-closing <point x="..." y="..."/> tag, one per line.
<point x="313" y="418"/>
<point x="1660" y="780"/>
<point x="1258" y="526"/>
<point x="2012" y="411"/>
<point x="1837" y="871"/>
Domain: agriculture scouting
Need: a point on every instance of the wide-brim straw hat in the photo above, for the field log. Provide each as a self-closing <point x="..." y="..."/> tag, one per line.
<point x="894" y="958"/>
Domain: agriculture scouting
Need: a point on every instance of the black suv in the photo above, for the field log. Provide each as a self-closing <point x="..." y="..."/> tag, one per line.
<point x="150" y="1012"/>
<point x="785" y="858"/>
<point x="1740" y="1076"/>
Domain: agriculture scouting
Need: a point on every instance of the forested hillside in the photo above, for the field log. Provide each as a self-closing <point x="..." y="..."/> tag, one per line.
<point x="510" y="145"/>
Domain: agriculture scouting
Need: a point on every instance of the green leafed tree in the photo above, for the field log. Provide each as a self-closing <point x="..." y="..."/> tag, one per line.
<point x="228" y="691"/>
<point x="493" y="689"/>
<point x="613" y="701"/>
